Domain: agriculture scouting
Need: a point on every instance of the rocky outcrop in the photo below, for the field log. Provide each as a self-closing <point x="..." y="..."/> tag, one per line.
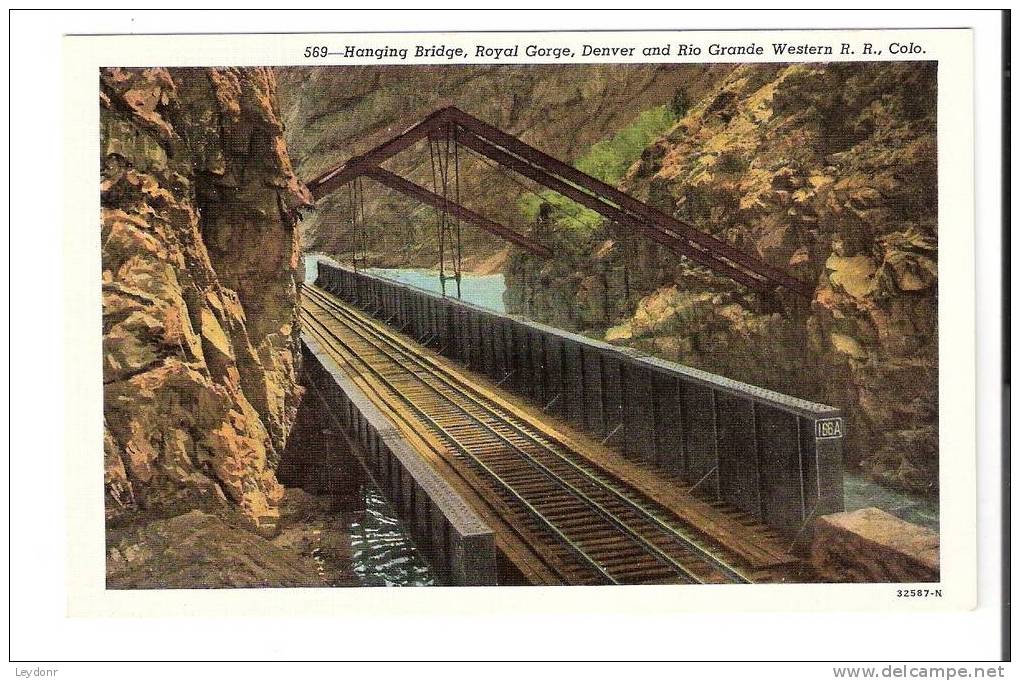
<point x="827" y="171"/>
<point x="870" y="545"/>
<point x="200" y="550"/>
<point x="200" y="259"/>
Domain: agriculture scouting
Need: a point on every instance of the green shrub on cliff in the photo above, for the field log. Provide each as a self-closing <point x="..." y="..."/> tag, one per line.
<point x="608" y="161"/>
<point x="679" y="104"/>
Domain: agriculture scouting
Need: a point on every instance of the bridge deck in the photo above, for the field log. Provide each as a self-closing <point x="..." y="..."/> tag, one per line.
<point x="564" y="508"/>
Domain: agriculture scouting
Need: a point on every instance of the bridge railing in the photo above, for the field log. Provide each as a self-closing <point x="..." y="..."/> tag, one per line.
<point x="775" y="457"/>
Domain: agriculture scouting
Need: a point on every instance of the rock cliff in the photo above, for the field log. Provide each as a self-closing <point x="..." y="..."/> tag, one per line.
<point x="827" y="171"/>
<point x="199" y="274"/>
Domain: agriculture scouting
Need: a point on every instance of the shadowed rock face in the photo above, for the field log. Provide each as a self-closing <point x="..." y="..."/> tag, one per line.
<point x="826" y="171"/>
<point x="199" y="290"/>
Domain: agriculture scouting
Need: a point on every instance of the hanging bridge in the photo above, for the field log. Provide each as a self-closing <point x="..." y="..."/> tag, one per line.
<point x="520" y="453"/>
<point x="449" y="129"/>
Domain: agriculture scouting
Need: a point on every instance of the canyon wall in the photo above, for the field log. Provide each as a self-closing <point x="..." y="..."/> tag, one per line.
<point x="200" y="259"/>
<point x="826" y="171"/>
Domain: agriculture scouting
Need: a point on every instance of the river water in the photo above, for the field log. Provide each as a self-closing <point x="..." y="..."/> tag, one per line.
<point x="487" y="291"/>
<point x="383" y="552"/>
<point x="860" y="492"/>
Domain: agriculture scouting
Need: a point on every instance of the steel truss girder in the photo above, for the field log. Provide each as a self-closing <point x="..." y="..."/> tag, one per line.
<point x="608" y="201"/>
<point x="416" y="191"/>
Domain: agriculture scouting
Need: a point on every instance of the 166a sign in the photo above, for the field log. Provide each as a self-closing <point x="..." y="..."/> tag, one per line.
<point x="829" y="428"/>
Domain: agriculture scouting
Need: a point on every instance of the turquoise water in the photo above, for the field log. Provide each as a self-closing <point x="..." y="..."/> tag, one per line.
<point x="860" y="492"/>
<point x="311" y="260"/>
<point x="484" y="290"/>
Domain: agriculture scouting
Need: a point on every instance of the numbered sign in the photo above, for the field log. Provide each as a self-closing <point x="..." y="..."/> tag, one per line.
<point x="829" y="428"/>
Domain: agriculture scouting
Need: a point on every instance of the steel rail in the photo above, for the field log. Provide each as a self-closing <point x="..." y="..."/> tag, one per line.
<point x="554" y="568"/>
<point x="344" y="357"/>
<point x="508" y="487"/>
<point x="594" y="477"/>
<point x="675" y="534"/>
<point x="609" y="516"/>
<point x="551" y="525"/>
<point x="451" y="380"/>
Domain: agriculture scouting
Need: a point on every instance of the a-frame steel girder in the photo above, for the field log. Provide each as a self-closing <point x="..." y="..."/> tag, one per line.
<point x="416" y="191"/>
<point x="615" y="205"/>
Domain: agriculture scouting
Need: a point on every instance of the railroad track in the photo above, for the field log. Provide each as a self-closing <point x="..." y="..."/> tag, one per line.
<point x="587" y="527"/>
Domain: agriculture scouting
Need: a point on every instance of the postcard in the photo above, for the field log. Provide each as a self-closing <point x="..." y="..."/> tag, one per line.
<point x="630" y="319"/>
